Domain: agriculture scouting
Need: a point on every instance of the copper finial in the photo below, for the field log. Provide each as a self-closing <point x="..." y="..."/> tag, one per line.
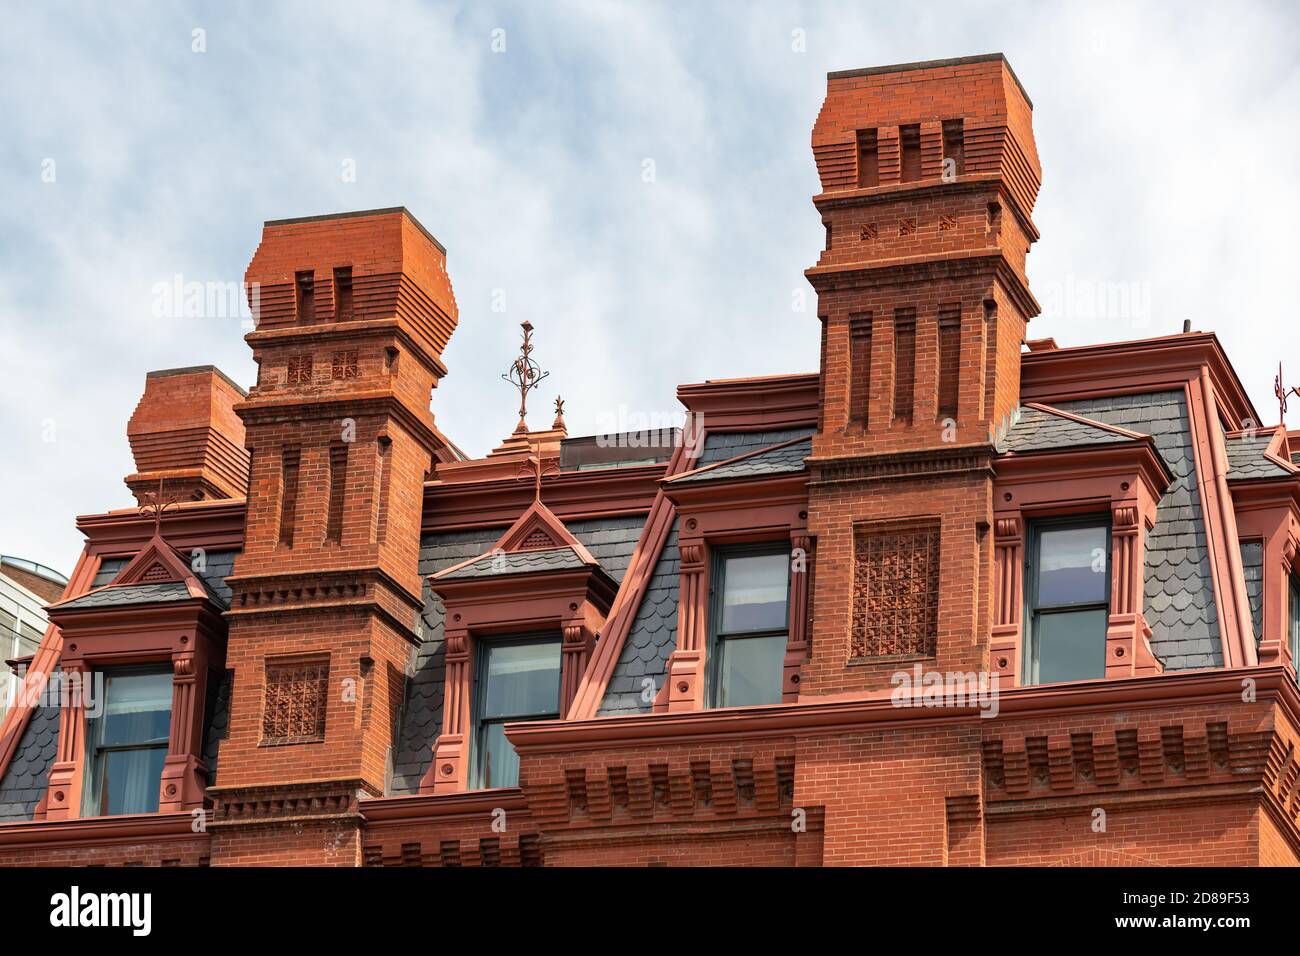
<point x="525" y="374"/>
<point x="155" y="503"/>
<point x="559" y="413"/>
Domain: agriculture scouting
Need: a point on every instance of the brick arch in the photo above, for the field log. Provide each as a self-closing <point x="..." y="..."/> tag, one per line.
<point x="1097" y="856"/>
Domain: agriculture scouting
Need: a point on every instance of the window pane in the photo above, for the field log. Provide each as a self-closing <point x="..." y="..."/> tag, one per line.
<point x="521" y="679"/>
<point x="1072" y="566"/>
<point x="131" y="780"/>
<point x="1070" y="645"/>
<point x="750" y="671"/>
<point x="137" y="709"/>
<point x="755" y="588"/>
<point x="498" y="762"/>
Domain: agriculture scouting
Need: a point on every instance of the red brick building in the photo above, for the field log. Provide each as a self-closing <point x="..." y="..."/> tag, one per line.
<point x="959" y="598"/>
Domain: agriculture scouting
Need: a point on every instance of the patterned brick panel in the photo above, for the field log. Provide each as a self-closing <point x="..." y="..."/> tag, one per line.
<point x="895" y="590"/>
<point x="296" y="693"/>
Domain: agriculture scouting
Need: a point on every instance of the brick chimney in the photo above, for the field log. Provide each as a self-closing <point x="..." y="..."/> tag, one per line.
<point x="353" y="313"/>
<point x="929" y="175"/>
<point x="185" y="433"/>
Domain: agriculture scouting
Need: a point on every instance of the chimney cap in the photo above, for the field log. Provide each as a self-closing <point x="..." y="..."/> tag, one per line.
<point x="391" y="210"/>
<point x="931" y="65"/>
<point x="192" y="369"/>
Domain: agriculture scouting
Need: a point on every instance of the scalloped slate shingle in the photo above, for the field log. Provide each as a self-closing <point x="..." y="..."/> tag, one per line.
<point x="1246" y="459"/>
<point x="776" y="461"/>
<point x="218" y="565"/>
<point x="520" y="562"/>
<point x="650" y="640"/>
<point x="721" y="446"/>
<point x="1179" y="591"/>
<point x="1252" y="562"/>
<point x="1041" y="431"/>
<point x="128" y="594"/>
<point x="25" y="779"/>
<point x="218" y="724"/>
<point x="610" y="541"/>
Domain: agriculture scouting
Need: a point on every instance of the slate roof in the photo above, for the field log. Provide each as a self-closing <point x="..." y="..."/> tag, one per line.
<point x="1252" y="562"/>
<point x="129" y="594"/>
<point x="722" y="446"/>
<point x="519" y="562"/>
<point x="218" y="719"/>
<point x="773" y="461"/>
<point x="1037" y="430"/>
<point x="1180" y="603"/>
<point x="216" y="567"/>
<point x="1246" y="459"/>
<point x="650" y="640"/>
<point x="611" y="542"/>
<point x="25" y="778"/>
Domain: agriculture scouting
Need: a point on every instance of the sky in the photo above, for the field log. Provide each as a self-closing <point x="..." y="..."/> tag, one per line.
<point x="632" y="178"/>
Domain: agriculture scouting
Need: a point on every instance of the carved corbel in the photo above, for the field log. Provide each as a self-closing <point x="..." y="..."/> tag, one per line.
<point x="1005" y="647"/>
<point x="449" y="771"/>
<point x="802" y="547"/>
<point x="686" y="665"/>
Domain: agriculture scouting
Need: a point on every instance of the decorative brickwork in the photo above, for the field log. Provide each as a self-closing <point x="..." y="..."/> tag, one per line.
<point x="298" y="370"/>
<point x="296" y="693"/>
<point x="895" y="590"/>
<point x="537" y="540"/>
<point x="343" y="366"/>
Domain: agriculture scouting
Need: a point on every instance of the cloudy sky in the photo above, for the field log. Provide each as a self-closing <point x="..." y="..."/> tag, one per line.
<point x="134" y="150"/>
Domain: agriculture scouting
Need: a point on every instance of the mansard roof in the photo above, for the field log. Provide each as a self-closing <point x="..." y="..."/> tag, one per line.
<point x="1045" y="428"/>
<point x="784" y="457"/>
<point x="1250" y="458"/>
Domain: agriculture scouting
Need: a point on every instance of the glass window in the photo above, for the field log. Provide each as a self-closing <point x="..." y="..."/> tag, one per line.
<point x="750" y="619"/>
<point x="518" y="680"/>
<point x="128" y="742"/>
<point x="1068" y="595"/>
<point x="1294" y="619"/>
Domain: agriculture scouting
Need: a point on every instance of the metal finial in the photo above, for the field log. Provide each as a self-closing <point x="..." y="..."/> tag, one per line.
<point x="155" y="503"/>
<point x="525" y="374"/>
<point x="559" y="413"/>
<point x="533" y="469"/>
<point x="1282" y="391"/>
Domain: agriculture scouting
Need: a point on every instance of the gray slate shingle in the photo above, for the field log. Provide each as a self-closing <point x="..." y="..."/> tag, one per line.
<point x="1252" y="562"/>
<point x="776" y="461"/>
<point x="25" y="778"/>
<point x="130" y="594"/>
<point x="1041" y="431"/>
<point x="650" y="640"/>
<point x="1180" y="603"/>
<point x="1246" y="459"/>
<point x="519" y="562"/>
<point x="721" y="446"/>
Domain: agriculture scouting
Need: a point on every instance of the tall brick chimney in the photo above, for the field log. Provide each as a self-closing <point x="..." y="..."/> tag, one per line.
<point x="185" y="433"/>
<point x="929" y="175"/>
<point x="354" y="312"/>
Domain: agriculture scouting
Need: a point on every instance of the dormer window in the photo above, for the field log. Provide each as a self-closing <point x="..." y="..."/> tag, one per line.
<point x="519" y="679"/>
<point x="1068" y="591"/>
<point x="750" y="626"/>
<point x="128" y="742"/>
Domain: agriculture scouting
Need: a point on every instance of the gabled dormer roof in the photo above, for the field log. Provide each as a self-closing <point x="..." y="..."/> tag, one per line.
<point x="782" y="458"/>
<point x="158" y="574"/>
<point x="537" y="542"/>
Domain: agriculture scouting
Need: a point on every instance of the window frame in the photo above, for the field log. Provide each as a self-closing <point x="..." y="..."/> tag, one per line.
<point x="481" y="723"/>
<point x="93" y="797"/>
<point x="1033" y="610"/>
<point x="1293" y="619"/>
<point x="717" y="638"/>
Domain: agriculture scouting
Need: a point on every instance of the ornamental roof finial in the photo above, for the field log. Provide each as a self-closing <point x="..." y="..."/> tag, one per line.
<point x="524" y="374"/>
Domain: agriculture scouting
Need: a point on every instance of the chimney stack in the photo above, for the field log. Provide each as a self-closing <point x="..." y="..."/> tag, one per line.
<point x="186" y="434"/>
